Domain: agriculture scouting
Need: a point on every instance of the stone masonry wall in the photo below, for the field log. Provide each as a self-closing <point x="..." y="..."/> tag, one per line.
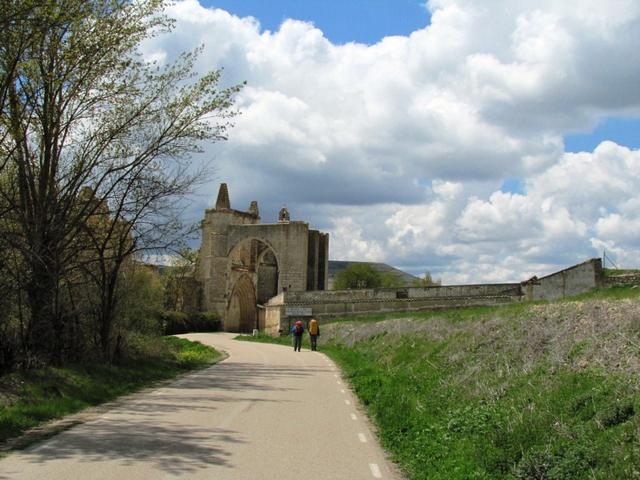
<point x="571" y="281"/>
<point x="289" y="243"/>
<point x="339" y="303"/>
<point x="627" y="279"/>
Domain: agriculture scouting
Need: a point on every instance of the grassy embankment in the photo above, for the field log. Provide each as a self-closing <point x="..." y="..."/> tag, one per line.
<point x="616" y="272"/>
<point x="28" y="399"/>
<point x="530" y="391"/>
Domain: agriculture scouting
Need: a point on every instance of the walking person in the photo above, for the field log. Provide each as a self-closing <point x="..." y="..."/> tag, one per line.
<point x="297" y="330"/>
<point x="314" y="333"/>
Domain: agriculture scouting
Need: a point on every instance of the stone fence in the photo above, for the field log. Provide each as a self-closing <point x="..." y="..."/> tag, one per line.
<point x="626" y="279"/>
<point x="287" y="307"/>
<point x="574" y="280"/>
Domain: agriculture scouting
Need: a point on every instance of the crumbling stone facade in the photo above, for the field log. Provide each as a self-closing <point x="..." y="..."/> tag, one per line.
<point x="243" y="263"/>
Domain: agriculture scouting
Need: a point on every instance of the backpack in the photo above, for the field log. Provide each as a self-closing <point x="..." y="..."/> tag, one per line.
<point x="297" y="330"/>
<point x="313" y="328"/>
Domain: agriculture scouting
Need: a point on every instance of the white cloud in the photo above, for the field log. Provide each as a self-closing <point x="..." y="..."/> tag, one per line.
<point x="413" y="136"/>
<point x="347" y="239"/>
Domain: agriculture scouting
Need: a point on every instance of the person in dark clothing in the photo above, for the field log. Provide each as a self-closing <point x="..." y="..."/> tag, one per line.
<point x="297" y="330"/>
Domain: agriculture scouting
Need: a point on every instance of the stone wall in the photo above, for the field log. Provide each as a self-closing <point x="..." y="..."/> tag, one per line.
<point x="342" y="303"/>
<point x="627" y="279"/>
<point x="411" y="293"/>
<point x="289" y="242"/>
<point x="317" y="260"/>
<point x="213" y="261"/>
<point x="574" y="280"/>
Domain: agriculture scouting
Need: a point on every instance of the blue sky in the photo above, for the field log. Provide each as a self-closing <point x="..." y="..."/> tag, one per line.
<point x="342" y="21"/>
<point x="623" y="131"/>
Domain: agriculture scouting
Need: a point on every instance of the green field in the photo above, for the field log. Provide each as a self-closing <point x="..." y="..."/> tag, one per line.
<point x="545" y="390"/>
<point x="28" y="399"/>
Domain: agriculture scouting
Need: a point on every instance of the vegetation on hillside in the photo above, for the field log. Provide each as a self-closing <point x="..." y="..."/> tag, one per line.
<point x="547" y="390"/>
<point x="94" y="164"/>
<point x="427" y="281"/>
<point x="362" y="275"/>
<point x="616" y="272"/>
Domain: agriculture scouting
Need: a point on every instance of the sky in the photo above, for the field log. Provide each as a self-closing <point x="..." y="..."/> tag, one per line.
<point x="480" y="141"/>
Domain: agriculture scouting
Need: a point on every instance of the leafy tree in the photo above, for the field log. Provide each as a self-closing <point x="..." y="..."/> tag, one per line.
<point x="389" y="280"/>
<point x="82" y="108"/>
<point x="176" y="287"/>
<point x="427" y="281"/>
<point x="358" y="275"/>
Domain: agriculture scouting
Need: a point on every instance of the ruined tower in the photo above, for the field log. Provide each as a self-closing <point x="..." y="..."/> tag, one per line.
<point x="242" y="263"/>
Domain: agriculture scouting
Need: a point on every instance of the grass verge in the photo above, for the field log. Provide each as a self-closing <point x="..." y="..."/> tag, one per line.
<point x="614" y="272"/>
<point x="29" y="399"/>
<point x="545" y="390"/>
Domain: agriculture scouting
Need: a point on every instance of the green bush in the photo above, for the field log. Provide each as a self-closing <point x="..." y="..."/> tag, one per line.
<point x="179" y="322"/>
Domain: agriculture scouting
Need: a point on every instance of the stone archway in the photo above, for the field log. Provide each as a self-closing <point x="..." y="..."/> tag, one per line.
<point x="267" y="276"/>
<point x="242" y="310"/>
<point x="253" y="278"/>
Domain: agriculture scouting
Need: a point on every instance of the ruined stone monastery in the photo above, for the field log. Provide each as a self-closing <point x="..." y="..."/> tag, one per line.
<point x="266" y="275"/>
<point x="244" y="263"/>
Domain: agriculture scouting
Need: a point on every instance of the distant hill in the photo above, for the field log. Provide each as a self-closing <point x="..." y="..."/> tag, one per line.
<point x="337" y="266"/>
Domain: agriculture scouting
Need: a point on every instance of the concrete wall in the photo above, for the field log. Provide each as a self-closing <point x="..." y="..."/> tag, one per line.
<point x="574" y="280"/>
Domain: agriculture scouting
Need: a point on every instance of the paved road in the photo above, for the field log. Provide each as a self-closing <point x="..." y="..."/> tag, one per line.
<point x="266" y="412"/>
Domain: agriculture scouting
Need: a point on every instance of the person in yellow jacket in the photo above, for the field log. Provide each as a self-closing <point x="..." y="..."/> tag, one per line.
<point x="314" y="332"/>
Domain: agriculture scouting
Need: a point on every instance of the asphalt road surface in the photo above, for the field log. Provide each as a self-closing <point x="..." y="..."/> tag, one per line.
<point x="266" y="412"/>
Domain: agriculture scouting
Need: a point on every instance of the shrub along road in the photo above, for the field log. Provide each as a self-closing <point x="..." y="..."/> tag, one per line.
<point x="266" y="412"/>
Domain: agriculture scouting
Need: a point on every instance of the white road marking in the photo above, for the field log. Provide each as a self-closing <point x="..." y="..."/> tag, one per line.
<point x="375" y="470"/>
<point x="341" y="390"/>
<point x="362" y="438"/>
<point x="347" y="402"/>
<point x="353" y="416"/>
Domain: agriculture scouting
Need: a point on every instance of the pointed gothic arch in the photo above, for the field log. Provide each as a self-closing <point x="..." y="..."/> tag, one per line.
<point x="242" y="312"/>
